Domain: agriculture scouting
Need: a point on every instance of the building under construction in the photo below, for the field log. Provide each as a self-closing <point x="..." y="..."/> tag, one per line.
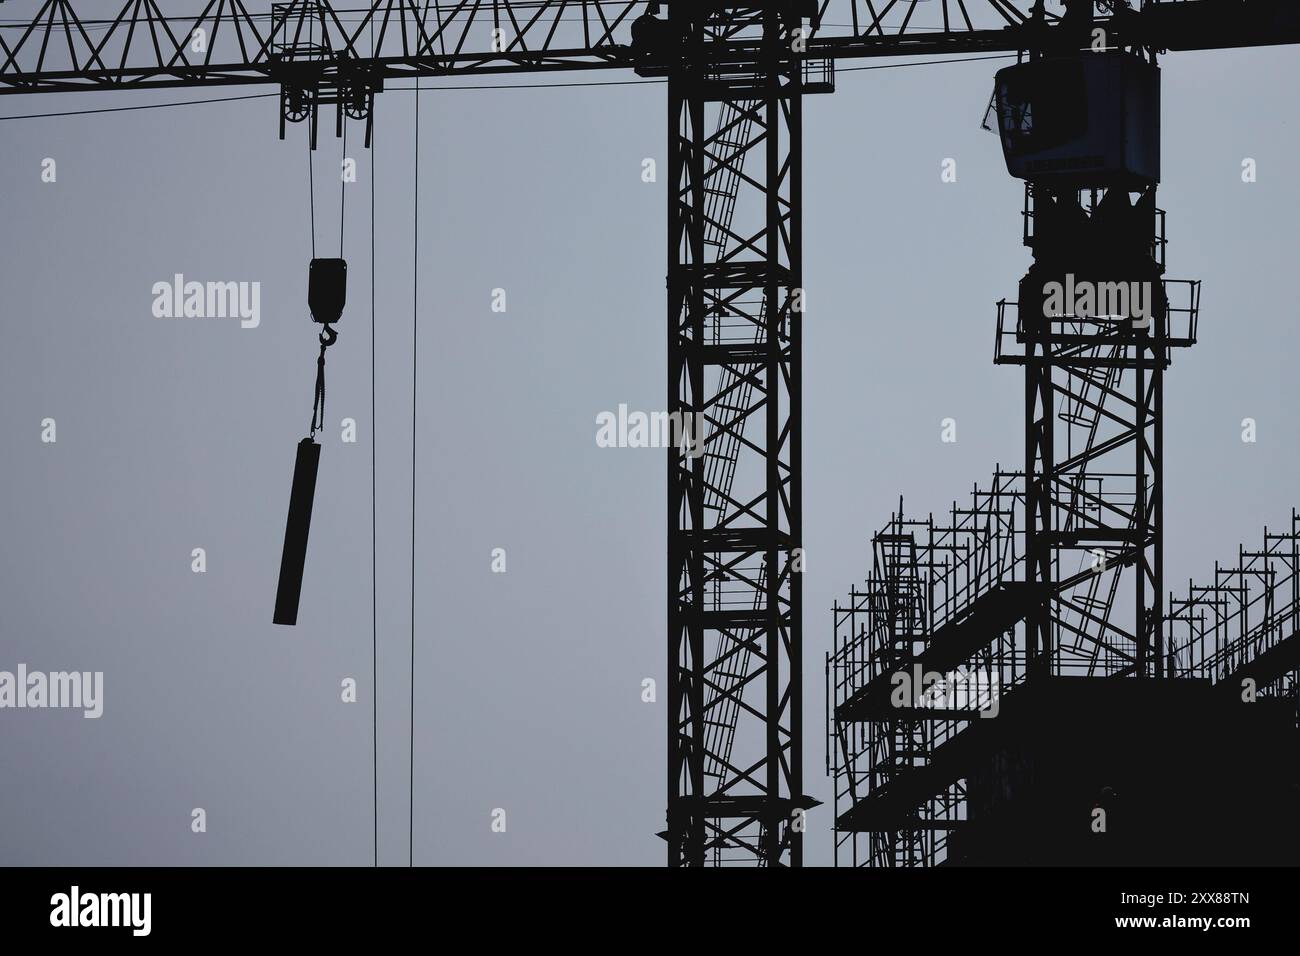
<point x="1010" y="686"/>
<point x="948" y="745"/>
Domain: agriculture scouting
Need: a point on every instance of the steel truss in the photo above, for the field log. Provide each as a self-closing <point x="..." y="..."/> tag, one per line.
<point x="310" y="44"/>
<point x="1094" y="390"/>
<point x="734" y="558"/>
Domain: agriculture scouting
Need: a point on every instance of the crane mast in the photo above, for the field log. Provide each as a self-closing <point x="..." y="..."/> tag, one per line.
<point x="734" y="554"/>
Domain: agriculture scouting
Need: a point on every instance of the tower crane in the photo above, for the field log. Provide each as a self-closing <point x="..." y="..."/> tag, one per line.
<point x="736" y="76"/>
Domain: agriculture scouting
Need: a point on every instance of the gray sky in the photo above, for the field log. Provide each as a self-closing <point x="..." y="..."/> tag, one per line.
<point x="178" y="433"/>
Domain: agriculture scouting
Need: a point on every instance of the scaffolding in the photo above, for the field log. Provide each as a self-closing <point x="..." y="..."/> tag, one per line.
<point x="1054" y="572"/>
<point x="1240" y="631"/>
<point x="914" y="617"/>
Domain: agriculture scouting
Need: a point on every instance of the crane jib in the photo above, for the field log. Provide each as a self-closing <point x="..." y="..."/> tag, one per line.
<point x="346" y="54"/>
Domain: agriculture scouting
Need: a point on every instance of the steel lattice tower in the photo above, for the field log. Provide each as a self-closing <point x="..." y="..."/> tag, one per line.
<point x="735" y="793"/>
<point x="1094" y="390"/>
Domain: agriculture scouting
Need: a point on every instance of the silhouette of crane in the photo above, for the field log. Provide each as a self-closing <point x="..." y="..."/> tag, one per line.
<point x="736" y="75"/>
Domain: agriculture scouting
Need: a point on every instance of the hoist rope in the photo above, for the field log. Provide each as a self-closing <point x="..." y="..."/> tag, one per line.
<point x="374" y="537"/>
<point x="311" y="197"/>
<point x="415" y="378"/>
<point x="343" y="187"/>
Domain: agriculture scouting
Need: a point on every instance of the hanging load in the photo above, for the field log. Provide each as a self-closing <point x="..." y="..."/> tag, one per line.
<point x="326" y="296"/>
<point x="296" y="529"/>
